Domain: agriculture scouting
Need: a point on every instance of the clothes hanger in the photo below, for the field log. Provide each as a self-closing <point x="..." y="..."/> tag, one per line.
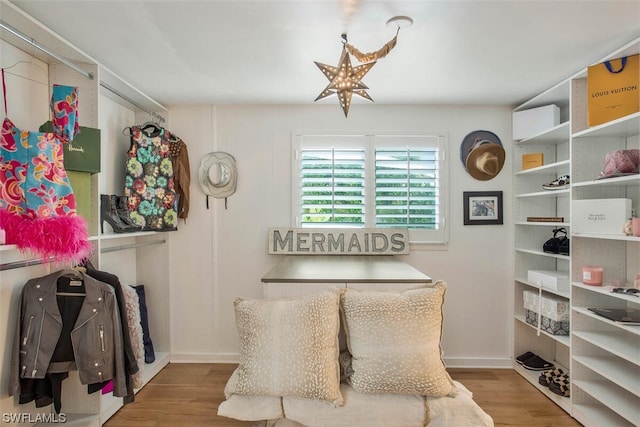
<point x="16" y="64"/>
<point x="151" y="128"/>
<point x="22" y="61"/>
<point x="70" y="294"/>
<point x="151" y="123"/>
<point x="75" y="274"/>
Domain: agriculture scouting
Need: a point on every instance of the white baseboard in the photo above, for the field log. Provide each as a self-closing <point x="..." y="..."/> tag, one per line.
<point x="205" y="357"/>
<point x="450" y="362"/>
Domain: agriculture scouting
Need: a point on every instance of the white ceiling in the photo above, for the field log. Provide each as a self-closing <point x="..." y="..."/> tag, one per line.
<point x="262" y="52"/>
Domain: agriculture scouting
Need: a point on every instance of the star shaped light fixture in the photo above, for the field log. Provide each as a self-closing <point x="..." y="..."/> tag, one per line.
<point x="345" y="79"/>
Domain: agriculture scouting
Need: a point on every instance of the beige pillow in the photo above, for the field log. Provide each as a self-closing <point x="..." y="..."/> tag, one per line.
<point x="289" y="347"/>
<point x="249" y="408"/>
<point x="394" y="338"/>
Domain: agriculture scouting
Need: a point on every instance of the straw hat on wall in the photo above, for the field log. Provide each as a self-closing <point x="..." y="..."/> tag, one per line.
<point x="218" y="175"/>
<point x="482" y="154"/>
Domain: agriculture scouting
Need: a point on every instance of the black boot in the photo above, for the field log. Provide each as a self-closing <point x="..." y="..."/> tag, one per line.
<point x="109" y="213"/>
<point x="122" y="206"/>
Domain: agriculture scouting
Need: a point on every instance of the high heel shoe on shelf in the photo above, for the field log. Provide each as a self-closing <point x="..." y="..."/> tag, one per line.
<point x="109" y="213"/>
<point x="122" y="207"/>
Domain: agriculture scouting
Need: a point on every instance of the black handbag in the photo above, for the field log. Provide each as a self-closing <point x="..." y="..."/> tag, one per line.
<point x="558" y="244"/>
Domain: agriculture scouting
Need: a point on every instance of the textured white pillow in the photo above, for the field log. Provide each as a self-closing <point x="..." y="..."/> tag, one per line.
<point x="394" y="338"/>
<point x="249" y="408"/>
<point x="289" y="347"/>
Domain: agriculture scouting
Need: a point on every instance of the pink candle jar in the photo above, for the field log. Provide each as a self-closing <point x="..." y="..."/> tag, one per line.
<point x="592" y="275"/>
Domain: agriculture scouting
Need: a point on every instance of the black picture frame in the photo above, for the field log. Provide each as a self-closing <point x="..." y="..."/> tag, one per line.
<point x="482" y="207"/>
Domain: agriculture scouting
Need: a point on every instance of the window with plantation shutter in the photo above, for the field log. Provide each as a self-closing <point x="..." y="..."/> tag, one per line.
<point x="332" y="187"/>
<point x="407" y="188"/>
<point x="384" y="181"/>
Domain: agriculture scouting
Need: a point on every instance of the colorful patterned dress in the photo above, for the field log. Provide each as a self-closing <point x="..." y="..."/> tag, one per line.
<point x="149" y="183"/>
<point x="37" y="204"/>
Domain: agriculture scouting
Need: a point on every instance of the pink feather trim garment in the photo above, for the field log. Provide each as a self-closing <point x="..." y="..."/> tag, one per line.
<point x="37" y="203"/>
<point x="65" y="237"/>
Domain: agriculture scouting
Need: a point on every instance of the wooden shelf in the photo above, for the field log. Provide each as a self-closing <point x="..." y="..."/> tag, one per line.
<point x="556" y="135"/>
<point x="623" y="127"/>
<point x="563" y="294"/>
<point x="616" y="399"/>
<point x="551" y="168"/>
<point x="532" y="377"/>
<point x="596" y="416"/>
<point x="614" y="369"/>
<point x="562" y="339"/>
<point x="612" y="342"/>
<point x="544" y="224"/>
<point x="546" y="193"/>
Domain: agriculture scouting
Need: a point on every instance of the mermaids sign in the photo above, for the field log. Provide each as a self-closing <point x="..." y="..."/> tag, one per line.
<point x="338" y="241"/>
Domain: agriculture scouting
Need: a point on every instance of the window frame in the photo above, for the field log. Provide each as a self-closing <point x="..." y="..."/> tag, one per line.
<point x="418" y="238"/>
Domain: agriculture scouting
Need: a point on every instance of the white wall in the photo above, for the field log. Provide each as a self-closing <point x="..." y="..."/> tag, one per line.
<point x="220" y="254"/>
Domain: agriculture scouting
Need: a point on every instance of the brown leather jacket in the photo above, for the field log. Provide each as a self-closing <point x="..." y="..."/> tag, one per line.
<point x="181" y="174"/>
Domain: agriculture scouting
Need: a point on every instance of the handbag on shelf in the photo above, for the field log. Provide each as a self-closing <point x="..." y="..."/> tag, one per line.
<point x="558" y="244"/>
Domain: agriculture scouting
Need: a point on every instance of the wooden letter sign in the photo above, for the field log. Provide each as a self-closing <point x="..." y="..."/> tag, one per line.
<point x="338" y="241"/>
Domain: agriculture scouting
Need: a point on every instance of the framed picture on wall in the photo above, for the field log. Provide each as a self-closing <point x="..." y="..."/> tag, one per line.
<point x="482" y="207"/>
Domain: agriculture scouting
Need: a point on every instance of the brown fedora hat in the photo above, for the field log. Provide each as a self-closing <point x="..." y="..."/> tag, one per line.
<point x="482" y="154"/>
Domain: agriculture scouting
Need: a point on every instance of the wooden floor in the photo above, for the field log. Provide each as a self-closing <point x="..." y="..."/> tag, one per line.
<point x="188" y="395"/>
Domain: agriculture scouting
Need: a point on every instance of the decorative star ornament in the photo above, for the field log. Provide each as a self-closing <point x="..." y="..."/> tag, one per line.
<point x="345" y="80"/>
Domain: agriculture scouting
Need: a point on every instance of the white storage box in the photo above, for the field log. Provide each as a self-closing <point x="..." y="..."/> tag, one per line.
<point x="551" y="306"/>
<point x="551" y="326"/>
<point x="600" y="216"/>
<point x="528" y="123"/>
<point x="556" y="280"/>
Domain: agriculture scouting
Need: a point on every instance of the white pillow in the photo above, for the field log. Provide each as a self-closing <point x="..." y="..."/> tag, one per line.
<point x="289" y="347"/>
<point x="394" y="339"/>
<point x="360" y="409"/>
<point x="249" y="408"/>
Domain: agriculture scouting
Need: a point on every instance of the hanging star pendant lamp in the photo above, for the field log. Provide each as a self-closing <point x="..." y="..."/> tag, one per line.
<point x="345" y="80"/>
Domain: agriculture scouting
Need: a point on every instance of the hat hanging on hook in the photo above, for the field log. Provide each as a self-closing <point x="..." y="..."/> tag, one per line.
<point x="482" y="154"/>
<point x="218" y="175"/>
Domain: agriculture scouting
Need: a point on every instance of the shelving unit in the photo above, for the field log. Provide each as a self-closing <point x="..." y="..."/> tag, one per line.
<point x="532" y="200"/>
<point x="109" y="103"/>
<point x="605" y="354"/>
<point x="602" y="356"/>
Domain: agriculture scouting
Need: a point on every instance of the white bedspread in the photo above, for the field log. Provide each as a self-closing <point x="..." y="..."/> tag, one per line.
<point x="370" y="410"/>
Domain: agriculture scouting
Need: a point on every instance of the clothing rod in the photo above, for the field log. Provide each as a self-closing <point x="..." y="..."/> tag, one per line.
<point x="129" y="100"/>
<point x="46" y="50"/>
<point x="132" y="246"/>
<point x="28" y="263"/>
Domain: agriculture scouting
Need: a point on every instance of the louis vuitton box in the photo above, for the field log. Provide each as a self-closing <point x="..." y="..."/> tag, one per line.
<point x="600" y="216"/>
<point x="532" y="160"/>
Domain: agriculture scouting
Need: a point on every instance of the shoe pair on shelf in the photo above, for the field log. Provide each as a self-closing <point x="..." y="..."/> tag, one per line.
<point x="558" y="184"/>
<point x="533" y="362"/>
<point x="557" y="380"/>
<point x="114" y="210"/>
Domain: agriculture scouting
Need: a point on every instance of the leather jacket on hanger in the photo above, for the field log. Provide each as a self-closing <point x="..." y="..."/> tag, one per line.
<point x="95" y="337"/>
